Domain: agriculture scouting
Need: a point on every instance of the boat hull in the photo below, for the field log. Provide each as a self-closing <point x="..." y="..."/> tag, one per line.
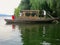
<point x="29" y="21"/>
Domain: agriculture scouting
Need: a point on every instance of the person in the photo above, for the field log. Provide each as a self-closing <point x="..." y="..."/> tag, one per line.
<point x="44" y="13"/>
<point x="13" y="17"/>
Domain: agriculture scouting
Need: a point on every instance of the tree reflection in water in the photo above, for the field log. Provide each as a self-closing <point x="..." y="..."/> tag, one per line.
<point x="40" y="34"/>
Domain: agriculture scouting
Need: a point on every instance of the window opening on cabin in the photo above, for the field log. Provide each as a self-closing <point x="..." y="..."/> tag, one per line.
<point x="27" y="14"/>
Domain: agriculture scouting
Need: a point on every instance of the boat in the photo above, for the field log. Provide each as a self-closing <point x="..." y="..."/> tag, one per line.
<point x="31" y="16"/>
<point x="30" y="21"/>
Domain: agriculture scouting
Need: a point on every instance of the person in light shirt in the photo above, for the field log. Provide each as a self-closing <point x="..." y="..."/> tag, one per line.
<point x="44" y="13"/>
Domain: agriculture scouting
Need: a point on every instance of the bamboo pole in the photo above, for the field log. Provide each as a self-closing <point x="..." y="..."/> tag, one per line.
<point x="53" y="18"/>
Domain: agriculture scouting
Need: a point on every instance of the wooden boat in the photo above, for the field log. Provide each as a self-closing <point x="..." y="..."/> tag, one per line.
<point x="29" y="21"/>
<point x="26" y="18"/>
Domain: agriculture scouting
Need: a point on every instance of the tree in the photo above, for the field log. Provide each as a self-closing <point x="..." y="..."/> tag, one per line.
<point x="58" y="7"/>
<point x="24" y="5"/>
<point x="52" y="6"/>
<point x="16" y="12"/>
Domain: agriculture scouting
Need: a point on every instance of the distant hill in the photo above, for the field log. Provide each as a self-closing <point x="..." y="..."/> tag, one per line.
<point x="4" y="15"/>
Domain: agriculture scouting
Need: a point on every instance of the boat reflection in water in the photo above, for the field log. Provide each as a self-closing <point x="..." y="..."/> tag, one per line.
<point x="13" y="26"/>
<point x="40" y="34"/>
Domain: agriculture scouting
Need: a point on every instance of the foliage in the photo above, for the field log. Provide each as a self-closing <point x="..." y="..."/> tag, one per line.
<point x="24" y="5"/>
<point x="16" y="12"/>
<point x="51" y="6"/>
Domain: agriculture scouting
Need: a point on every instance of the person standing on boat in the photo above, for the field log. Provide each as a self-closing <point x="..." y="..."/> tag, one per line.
<point x="44" y="13"/>
<point x="20" y="14"/>
<point x="13" y="17"/>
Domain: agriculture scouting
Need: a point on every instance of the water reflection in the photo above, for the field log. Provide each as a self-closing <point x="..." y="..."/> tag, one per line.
<point x="39" y="34"/>
<point x="9" y="36"/>
<point x="13" y="26"/>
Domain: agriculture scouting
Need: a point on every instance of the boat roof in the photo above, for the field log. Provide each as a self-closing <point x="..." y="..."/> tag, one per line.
<point x="30" y="11"/>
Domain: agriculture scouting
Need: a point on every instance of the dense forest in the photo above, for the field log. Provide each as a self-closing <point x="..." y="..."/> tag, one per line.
<point x="51" y="6"/>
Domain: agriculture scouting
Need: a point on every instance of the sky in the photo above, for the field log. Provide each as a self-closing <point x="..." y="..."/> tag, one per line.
<point x="8" y="6"/>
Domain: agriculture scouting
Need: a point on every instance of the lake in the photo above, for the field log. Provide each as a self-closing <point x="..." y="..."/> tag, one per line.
<point x="29" y="34"/>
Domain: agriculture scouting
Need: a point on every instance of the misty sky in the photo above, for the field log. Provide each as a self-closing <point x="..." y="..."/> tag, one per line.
<point x="8" y="6"/>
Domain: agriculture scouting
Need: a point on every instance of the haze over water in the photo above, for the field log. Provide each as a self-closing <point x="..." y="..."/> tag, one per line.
<point x="29" y="34"/>
<point x="9" y="36"/>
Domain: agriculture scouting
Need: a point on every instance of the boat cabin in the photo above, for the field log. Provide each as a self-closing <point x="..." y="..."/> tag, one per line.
<point x="30" y="13"/>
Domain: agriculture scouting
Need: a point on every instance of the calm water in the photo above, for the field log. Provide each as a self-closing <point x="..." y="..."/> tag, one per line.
<point x="29" y="34"/>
